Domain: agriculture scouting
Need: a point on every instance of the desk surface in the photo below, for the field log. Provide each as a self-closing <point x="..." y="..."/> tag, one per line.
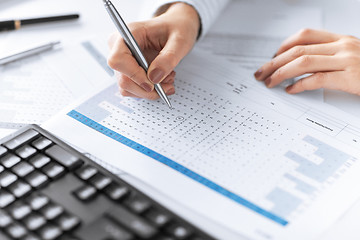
<point x="339" y="16"/>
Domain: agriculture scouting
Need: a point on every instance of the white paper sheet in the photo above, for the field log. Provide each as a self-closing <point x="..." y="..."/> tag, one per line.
<point x="258" y="161"/>
<point x="36" y="88"/>
<point x="249" y="33"/>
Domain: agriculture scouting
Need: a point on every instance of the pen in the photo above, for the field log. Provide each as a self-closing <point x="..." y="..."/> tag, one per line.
<point x="28" y="53"/>
<point x="132" y="45"/>
<point x="17" y="24"/>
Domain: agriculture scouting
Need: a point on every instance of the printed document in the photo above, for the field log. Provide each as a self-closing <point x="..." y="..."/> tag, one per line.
<point x="36" y="88"/>
<point x="249" y="33"/>
<point x="263" y="163"/>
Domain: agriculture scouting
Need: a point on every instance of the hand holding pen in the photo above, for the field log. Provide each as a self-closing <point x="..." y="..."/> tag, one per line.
<point x="164" y="40"/>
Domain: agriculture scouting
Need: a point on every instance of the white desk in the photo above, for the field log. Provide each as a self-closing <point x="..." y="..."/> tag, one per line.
<point x="339" y="16"/>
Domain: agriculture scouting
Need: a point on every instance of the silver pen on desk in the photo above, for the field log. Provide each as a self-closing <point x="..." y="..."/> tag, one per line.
<point x="132" y="45"/>
<point x="28" y="53"/>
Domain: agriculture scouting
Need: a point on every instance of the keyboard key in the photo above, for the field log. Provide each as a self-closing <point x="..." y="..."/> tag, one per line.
<point x="68" y="222"/>
<point x="1" y="168"/>
<point x="9" y="160"/>
<point x="39" y="160"/>
<point x="16" y="231"/>
<point x="100" y="181"/>
<point x="31" y="236"/>
<point x="50" y="232"/>
<point x="104" y="228"/>
<point x="37" y="179"/>
<point x="20" y="210"/>
<point x="21" y="139"/>
<point x="164" y="237"/>
<point x="53" y="170"/>
<point x="5" y="219"/>
<point x="86" y="172"/>
<point x="178" y="231"/>
<point x="52" y="211"/>
<point x="158" y="218"/>
<point x="197" y="238"/>
<point x="2" y="151"/>
<point x="6" y="198"/>
<point x="63" y="157"/>
<point x="41" y="143"/>
<point x="37" y="201"/>
<point x="132" y="222"/>
<point x="69" y="236"/>
<point x="22" y="169"/>
<point x="4" y="236"/>
<point x="20" y="188"/>
<point x="34" y="221"/>
<point x="116" y="192"/>
<point x="137" y="204"/>
<point x="7" y="178"/>
<point x="25" y="151"/>
<point x="85" y="193"/>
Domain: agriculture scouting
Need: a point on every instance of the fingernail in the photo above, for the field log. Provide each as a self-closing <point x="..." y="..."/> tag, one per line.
<point x="156" y="75"/>
<point x="171" y="91"/>
<point x="268" y="81"/>
<point x="146" y="87"/>
<point x="258" y="73"/>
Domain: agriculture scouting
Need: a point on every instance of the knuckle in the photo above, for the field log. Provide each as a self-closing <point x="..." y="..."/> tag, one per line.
<point x="318" y="81"/>
<point x="305" y="32"/>
<point x="123" y="84"/>
<point x="352" y="59"/>
<point x="349" y="43"/>
<point x="305" y="61"/>
<point x="278" y="74"/>
<point x="136" y="75"/>
<point x="298" y="51"/>
<point x="272" y="64"/>
<point x="112" y="62"/>
<point x="351" y="37"/>
<point x="135" y="26"/>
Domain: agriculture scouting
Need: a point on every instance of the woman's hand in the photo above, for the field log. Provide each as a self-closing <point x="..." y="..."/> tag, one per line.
<point x="164" y="41"/>
<point x="332" y="59"/>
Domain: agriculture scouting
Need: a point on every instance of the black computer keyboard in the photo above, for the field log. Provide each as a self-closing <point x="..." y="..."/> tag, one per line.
<point x="48" y="190"/>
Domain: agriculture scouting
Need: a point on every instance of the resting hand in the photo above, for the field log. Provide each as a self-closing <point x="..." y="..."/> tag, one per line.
<point x="164" y="41"/>
<point x="333" y="61"/>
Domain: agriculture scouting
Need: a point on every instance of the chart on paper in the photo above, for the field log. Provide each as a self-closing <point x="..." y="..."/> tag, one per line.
<point x="232" y="136"/>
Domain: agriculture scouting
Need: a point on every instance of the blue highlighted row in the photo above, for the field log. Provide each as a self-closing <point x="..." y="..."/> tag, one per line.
<point x="158" y="157"/>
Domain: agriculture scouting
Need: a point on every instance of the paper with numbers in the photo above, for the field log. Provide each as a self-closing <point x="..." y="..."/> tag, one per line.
<point x="231" y="149"/>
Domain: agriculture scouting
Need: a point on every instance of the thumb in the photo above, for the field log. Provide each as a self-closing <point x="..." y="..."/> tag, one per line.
<point x="169" y="57"/>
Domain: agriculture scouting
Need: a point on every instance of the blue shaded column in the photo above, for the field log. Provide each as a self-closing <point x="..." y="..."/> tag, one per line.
<point x="333" y="159"/>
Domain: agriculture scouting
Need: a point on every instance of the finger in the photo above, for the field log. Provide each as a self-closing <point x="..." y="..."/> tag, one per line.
<point x="127" y="86"/>
<point x="329" y="80"/>
<point x="125" y="93"/>
<point x="306" y="37"/>
<point x="170" y="78"/>
<point x="317" y="49"/>
<point x="174" y="50"/>
<point x="125" y="83"/>
<point x="305" y="64"/>
<point x="121" y="60"/>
